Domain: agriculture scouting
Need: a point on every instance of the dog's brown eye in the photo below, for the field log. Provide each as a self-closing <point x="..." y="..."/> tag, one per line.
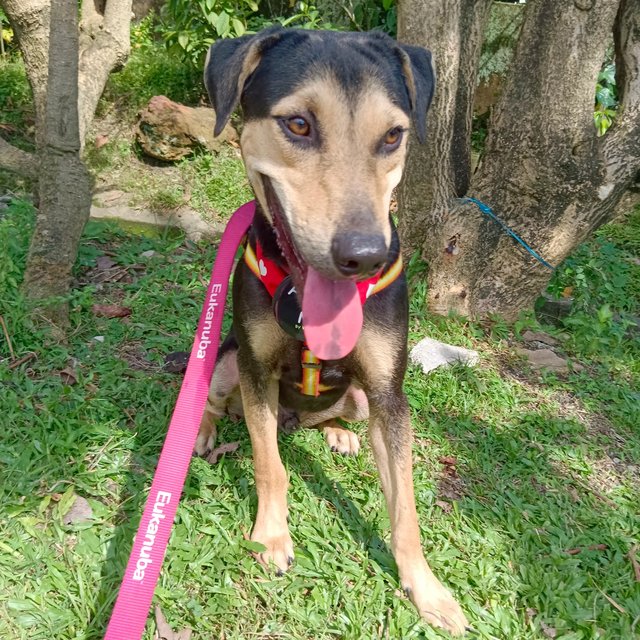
<point x="298" y="126"/>
<point x="393" y="137"/>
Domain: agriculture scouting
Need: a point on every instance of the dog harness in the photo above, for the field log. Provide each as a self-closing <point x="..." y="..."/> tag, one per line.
<point x="278" y="283"/>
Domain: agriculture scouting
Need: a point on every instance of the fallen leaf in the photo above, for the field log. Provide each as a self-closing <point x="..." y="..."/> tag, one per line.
<point x="110" y="311"/>
<point x="176" y="362"/>
<point x="445" y="506"/>
<point x="530" y="613"/>
<point x="567" y="292"/>
<point x="100" y="141"/>
<point x="451" y="487"/>
<point x="165" y="632"/>
<point x="80" y="511"/>
<point x="448" y="460"/>
<point x="227" y="447"/>
<point x="68" y="376"/>
<point x="148" y="254"/>
<point x="548" y="630"/>
<point x="593" y="547"/>
<point x="104" y="263"/>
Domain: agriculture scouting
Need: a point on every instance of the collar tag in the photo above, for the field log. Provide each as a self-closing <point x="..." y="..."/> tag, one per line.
<point x="286" y="309"/>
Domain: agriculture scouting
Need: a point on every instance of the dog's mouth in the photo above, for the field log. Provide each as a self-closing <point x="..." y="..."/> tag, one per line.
<point x="331" y="309"/>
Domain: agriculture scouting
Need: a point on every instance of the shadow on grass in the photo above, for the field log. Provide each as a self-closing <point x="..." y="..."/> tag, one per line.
<point x="562" y="528"/>
<point x="526" y="505"/>
<point x="133" y="497"/>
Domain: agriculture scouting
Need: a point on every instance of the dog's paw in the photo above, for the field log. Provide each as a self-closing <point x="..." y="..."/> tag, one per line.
<point x="341" y="440"/>
<point x="278" y="552"/>
<point x="204" y="445"/>
<point x="435" y="603"/>
<point x="206" y="439"/>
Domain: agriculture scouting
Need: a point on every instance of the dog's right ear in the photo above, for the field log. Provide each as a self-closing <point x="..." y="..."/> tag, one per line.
<point x="229" y="64"/>
<point x="420" y="78"/>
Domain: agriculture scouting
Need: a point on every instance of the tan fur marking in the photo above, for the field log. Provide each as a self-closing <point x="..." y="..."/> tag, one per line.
<point x="408" y="76"/>
<point x="266" y="338"/>
<point x="270" y="527"/>
<point x="222" y="399"/>
<point x="377" y="352"/>
<point x="352" y="407"/>
<point x="431" y="598"/>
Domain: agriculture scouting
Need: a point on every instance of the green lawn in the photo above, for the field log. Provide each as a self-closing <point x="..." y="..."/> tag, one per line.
<point x="517" y="474"/>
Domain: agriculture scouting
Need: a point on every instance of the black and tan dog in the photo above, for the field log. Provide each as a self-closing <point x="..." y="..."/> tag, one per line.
<point x="320" y="300"/>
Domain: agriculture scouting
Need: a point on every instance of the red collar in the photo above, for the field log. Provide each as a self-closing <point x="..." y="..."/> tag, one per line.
<point x="271" y="274"/>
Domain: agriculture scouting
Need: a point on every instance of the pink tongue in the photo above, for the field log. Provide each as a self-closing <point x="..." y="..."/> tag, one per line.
<point x="332" y="316"/>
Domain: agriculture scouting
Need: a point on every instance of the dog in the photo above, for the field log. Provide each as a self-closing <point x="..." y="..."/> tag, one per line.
<point x="320" y="309"/>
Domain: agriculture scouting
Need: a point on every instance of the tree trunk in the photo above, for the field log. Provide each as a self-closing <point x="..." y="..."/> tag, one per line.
<point x="64" y="187"/>
<point x="104" y="46"/>
<point x="29" y="20"/>
<point x="67" y="81"/>
<point x="17" y="160"/>
<point x="544" y="172"/>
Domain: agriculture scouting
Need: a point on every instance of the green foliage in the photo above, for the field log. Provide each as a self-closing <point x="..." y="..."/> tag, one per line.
<point x="606" y="99"/>
<point x="625" y="234"/>
<point x="361" y="15"/>
<point x="304" y="16"/>
<point x="150" y="71"/>
<point x="6" y="33"/>
<point x="603" y="279"/>
<point x="16" y="103"/>
<point x="16" y="223"/>
<point x="190" y="28"/>
<point x="218" y="182"/>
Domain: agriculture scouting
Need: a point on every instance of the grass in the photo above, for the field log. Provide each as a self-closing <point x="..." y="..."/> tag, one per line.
<point x="544" y="465"/>
<point x="16" y="109"/>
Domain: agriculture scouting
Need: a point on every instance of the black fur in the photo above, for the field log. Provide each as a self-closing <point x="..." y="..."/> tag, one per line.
<point x="387" y="310"/>
<point x="288" y="57"/>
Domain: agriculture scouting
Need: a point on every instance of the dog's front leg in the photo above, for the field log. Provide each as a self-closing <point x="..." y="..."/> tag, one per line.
<point x="260" y="402"/>
<point x="390" y="435"/>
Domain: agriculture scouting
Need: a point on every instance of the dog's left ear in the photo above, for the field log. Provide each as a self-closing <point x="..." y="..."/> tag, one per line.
<point x="229" y="64"/>
<point x="420" y="78"/>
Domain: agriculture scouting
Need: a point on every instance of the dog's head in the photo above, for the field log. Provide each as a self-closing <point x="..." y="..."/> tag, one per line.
<point x="326" y="117"/>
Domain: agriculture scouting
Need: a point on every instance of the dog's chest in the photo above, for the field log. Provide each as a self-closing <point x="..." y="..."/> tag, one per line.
<point x="334" y="379"/>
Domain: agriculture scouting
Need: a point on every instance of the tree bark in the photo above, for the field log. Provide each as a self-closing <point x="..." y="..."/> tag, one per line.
<point x="65" y="188"/>
<point x="544" y="172"/>
<point x="17" y="160"/>
<point x="453" y="31"/>
<point x="106" y="45"/>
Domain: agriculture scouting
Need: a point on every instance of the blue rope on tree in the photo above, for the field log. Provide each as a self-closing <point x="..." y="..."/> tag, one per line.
<point x="489" y="212"/>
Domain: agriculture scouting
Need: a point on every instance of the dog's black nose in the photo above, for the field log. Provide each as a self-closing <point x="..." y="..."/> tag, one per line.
<point x="359" y="254"/>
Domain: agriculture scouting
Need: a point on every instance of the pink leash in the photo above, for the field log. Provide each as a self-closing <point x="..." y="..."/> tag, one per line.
<point x="138" y="584"/>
